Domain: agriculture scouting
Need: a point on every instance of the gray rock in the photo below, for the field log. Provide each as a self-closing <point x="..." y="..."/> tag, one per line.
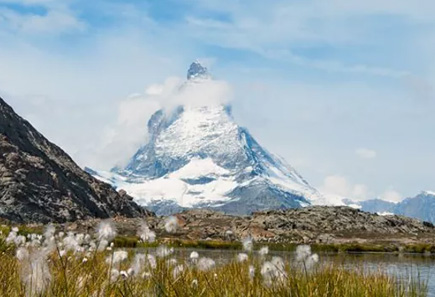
<point x="39" y="182"/>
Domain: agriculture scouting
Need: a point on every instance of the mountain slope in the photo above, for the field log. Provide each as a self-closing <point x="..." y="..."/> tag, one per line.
<point x="197" y="156"/>
<point x="40" y="183"/>
<point x="421" y="206"/>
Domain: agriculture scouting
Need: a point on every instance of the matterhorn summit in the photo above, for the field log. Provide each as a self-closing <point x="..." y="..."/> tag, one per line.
<point x="196" y="156"/>
<point x="197" y="71"/>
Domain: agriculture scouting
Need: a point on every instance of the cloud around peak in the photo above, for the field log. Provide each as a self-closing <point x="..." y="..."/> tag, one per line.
<point x="129" y="132"/>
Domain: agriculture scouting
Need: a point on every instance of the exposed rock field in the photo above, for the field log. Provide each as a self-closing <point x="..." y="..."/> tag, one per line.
<point x="318" y="224"/>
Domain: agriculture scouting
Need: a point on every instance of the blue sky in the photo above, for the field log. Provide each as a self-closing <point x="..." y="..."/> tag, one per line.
<point x="343" y="90"/>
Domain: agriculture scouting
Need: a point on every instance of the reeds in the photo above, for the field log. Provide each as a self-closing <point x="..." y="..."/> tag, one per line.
<point x="76" y="265"/>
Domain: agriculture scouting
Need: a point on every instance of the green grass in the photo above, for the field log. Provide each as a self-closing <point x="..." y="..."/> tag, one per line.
<point x="71" y="277"/>
<point x="134" y="242"/>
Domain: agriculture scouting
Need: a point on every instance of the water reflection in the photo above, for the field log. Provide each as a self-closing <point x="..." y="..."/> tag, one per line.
<point x="401" y="265"/>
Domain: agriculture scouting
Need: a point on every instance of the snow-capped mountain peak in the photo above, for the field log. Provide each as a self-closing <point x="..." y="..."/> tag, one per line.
<point x="197" y="156"/>
<point x="197" y="71"/>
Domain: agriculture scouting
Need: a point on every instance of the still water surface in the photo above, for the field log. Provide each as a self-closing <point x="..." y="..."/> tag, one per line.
<point x="400" y="265"/>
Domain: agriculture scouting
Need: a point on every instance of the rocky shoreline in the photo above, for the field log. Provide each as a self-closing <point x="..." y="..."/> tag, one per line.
<point x="311" y="225"/>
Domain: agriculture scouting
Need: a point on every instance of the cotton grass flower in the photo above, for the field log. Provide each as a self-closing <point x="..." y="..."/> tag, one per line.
<point x="242" y="257"/>
<point x="163" y="251"/>
<point x="138" y="264"/>
<point x="35" y="273"/>
<point x="117" y="257"/>
<point x="273" y="271"/>
<point x="177" y="271"/>
<point x="205" y="264"/>
<point x="152" y="261"/>
<point x="251" y="272"/>
<point x="123" y="274"/>
<point x="114" y="274"/>
<point x="145" y="234"/>
<point x="247" y="244"/>
<point x="263" y="251"/>
<point x="171" y="224"/>
<point x="22" y="254"/>
<point x="302" y="252"/>
<point x="304" y="256"/>
<point x="172" y="262"/>
<point x="194" y="256"/>
<point x="106" y="231"/>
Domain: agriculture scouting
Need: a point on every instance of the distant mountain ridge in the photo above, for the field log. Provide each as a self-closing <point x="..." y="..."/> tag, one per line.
<point x="421" y="206"/>
<point x="198" y="157"/>
<point x="39" y="182"/>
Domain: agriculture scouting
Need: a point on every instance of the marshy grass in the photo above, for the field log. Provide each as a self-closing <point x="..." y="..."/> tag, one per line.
<point x="82" y="265"/>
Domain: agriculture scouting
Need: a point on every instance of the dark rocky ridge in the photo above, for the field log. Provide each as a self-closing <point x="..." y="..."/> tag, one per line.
<point x="39" y="182"/>
<point x="317" y="224"/>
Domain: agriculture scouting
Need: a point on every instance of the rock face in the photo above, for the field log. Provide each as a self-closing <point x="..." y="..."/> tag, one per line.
<point x="309" y="224"/>
<point x="314" y="224"/>
<point x="39" y="182"/>
<point x="198" y="157"/>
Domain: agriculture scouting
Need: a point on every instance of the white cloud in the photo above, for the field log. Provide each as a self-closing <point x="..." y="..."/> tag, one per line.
<point x="392" y="196"/>
<point x="57" y="19"/>
<point x="121" y="140"/>
<point x="365" y="153"/>
<point x="336" y="186"/>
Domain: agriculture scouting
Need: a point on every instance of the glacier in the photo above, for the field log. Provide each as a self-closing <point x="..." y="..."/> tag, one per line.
<point x="197" y="156"/>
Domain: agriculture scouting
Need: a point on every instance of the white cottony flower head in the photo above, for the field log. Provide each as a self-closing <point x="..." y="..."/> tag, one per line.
<point x="106" y="230"/>
<point x="242" y="257"/>
<point x="152" y="261"/>
<point x="171" y="262"/>
<point x="124" y="274"/>
<point x="171" y="224"/>
<point x="248" y="244"/>
<point x="145" y="234"/>
<point x="117" y="257"/>
<point x="11" y="236"/>
<point x="273" y="271"/>
<point x="102" y="245"/>
<point x="194" y="256"/>
<point x="70" y="242"/>
<point x="20" y="240"/>
<point x="302" y="253"/>
<point x="311" y="261"/>
<point x="177" y="271"/>
<point x="205" y="264"/>
<point x="251" y="272"/>
<point x="138" y="264"/>
<point x="114" y="274"/>
<point x="163" y="251"/>
<point x="22" y="254"/>
<point x="49" y="231"/>
<point x="35" y="273"/>
<point x="263" y="251"/>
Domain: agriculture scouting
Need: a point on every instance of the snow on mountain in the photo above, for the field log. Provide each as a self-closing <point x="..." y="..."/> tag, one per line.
<point x="421" y="206"/>
<point x="197" y="156"/>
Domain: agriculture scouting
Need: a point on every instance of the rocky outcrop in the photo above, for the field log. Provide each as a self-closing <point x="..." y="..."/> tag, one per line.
<point x="39" y="182"/>
<point x="318" y="224"/>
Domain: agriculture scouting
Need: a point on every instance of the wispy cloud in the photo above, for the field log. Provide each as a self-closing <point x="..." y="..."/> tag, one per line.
<point x="365" y="153"/>
<point x="339" y="187"/>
